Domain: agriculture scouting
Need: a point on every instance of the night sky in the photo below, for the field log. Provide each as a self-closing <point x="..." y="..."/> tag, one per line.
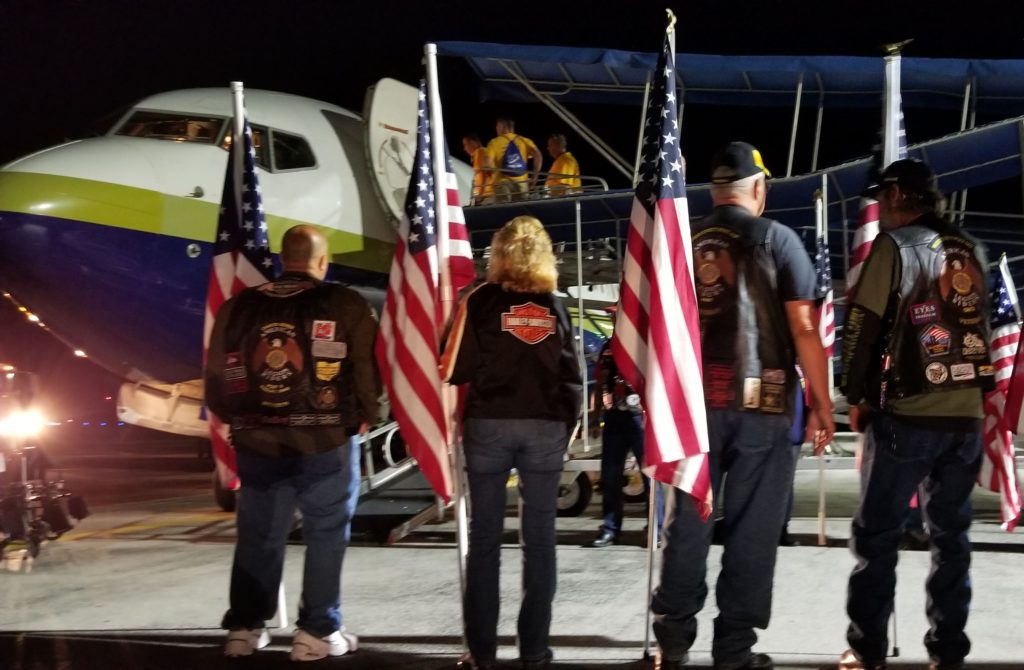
<point x="68" y="69"/>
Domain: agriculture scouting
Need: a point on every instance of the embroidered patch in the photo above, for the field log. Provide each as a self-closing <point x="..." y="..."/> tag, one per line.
<point x="936" y="373"/>
<point x="325" y="349"/>
<point x="720" y="380"/>
<point x="751" y="393"/>
<point x="973" y="345"/>
<point x="323" y="330"/>
<point x="236" y="377"/>
<point x="773" y="376"/>
<point x="924" y="312"/>
<point x="530" y="323"/>
<point x="773" y="398"/>
<point x="325" y="371"/>
<point x="986" y="370"/>
<point x="962" y="372"/>
<point x="936" y="340"/>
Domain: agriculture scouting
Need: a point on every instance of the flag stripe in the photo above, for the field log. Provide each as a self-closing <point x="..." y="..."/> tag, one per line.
<point x="998" y="471"/>
<point x="407" y="344"/>
<point x="241" y="259"/>
<point x="656" y="344"/>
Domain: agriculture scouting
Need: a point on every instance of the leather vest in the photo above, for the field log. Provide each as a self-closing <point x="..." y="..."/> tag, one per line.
<point x="746" y="344"/>
<point x="287" y="357"/>
<point x="940" y="332"/>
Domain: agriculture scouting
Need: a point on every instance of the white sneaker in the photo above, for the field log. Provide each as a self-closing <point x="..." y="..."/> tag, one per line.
<point x="306" y="647"/>
<point x="243" y="642"/>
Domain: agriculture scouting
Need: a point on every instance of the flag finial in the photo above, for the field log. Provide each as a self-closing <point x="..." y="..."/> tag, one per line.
<point x="895" y="48"/>
<point x="671" y="20"/>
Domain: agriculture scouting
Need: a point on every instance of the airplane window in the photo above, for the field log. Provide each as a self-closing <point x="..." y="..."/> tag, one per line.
<point x="259" y="133"/>
<point x="291" y="152"/>
<point x="173" y="126"/>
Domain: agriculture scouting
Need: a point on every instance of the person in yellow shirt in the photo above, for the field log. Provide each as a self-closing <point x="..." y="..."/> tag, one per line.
<point x="517" y="162"/>
<point x="564" y="175"/>
<point x="483" y="169"/>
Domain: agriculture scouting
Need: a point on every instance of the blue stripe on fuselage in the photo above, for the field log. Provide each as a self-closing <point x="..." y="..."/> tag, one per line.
<point x="134" y="301"/>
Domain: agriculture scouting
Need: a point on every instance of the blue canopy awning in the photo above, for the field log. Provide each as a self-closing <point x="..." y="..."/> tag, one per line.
<point x="611" y="76"/>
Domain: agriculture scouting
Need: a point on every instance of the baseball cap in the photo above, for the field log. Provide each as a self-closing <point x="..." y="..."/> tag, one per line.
<point x="738" y="160"/>
<point x="910" y="174"/>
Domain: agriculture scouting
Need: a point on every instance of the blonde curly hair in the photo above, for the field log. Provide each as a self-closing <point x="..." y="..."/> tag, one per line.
<point x="521" y="257"/>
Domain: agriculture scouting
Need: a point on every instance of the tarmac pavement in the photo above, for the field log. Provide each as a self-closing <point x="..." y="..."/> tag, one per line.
<point x="143" y="584"/>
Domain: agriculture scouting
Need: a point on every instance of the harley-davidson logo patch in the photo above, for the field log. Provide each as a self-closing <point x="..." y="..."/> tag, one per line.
<point x="531" y="323"/>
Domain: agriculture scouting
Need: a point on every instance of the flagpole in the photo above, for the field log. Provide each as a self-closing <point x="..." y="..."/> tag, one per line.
<point x="437" y="143"/>
<point x="670" y="33"/>
<point x="238" y="136"/>
<point x="820" y="229"/>
<point x="1011" y="289"/>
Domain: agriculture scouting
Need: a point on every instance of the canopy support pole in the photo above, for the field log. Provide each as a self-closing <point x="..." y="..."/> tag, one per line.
<point x="796" y="123"/>
<point x="565" y="115"/>
<point x="817" y="125"/>
<point x="643" y="124"/>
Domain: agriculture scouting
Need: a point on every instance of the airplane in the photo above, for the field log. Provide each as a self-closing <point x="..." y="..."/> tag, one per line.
<point x="125" y="223"/>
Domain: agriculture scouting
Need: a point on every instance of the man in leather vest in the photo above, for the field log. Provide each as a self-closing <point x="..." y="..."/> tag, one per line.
<point x="915" y="363"/>
<point x="756" y="293"/>
<point x="291" y="369"/>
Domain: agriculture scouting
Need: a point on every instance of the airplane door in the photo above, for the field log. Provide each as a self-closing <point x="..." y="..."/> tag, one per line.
<point x="390" y="113"/>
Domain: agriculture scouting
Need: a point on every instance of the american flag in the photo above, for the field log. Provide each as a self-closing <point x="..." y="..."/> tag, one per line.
<point x="241" y="258"/>
<point x="657" y="333"/>
<point x="826" y="313"/>
<point x="891" y="146"/>
<point x="998" y="469"/>
<point x="408" y="341"/>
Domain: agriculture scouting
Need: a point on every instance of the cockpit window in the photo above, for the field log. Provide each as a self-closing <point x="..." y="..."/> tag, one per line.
<point x="259" y="135"/>
<point x="172" y="126"/>
<point x="291" y="152"/>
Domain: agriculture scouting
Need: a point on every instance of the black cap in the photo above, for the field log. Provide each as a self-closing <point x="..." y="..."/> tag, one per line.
<point x="738" y="160"/>
<point x="910" y="174"/>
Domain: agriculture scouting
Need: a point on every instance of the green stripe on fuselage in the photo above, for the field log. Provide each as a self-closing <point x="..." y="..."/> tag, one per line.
<point x="143" y="210"/>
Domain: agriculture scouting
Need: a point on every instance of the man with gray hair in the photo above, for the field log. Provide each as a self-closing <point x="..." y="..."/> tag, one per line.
<point x="756" y="295"/>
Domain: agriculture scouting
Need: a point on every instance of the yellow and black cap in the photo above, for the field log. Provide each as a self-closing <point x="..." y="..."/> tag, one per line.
<point x="737" y="160"/>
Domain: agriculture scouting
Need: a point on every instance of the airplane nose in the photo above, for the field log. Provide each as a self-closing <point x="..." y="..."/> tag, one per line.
<point x="87" y="253"/>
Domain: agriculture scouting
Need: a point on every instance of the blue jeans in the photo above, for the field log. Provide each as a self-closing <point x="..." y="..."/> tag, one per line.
<point x="536" y="449"/>
<point x="622" y="433"/>
<point x="325" y="488"/>
<point x="945" y="464"/>
<point x="752" y="467"/>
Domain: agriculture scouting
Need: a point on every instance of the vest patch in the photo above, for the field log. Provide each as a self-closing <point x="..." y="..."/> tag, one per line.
<point x="323" y="330"/>
<point x="936" y="341"/>
<point x="962" y="372"/>
<point x="277" y="363"/>
<point x="236" y="376"/>
<point x="936" y="373"/>
<point x="530" y="323"/>
<point x="924" y="312"/>
<point x="961" y="284"/>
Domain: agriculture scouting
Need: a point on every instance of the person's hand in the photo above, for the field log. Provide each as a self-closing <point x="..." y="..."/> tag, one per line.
<point x="859" y="416"/>
<point x="364" y="428"/>
<point x="820" y="428"/>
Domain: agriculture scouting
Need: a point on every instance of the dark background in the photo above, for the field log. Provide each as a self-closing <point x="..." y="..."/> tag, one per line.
<point x="69" y="68"/>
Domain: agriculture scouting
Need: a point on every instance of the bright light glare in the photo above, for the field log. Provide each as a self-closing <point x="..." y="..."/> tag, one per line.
<point x="80" y="353"/>
<point x="22" y="424"/>
<point x="33" y="318"/>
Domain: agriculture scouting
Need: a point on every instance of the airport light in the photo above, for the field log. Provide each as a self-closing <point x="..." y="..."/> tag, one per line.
<point x="28" y="423"/>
